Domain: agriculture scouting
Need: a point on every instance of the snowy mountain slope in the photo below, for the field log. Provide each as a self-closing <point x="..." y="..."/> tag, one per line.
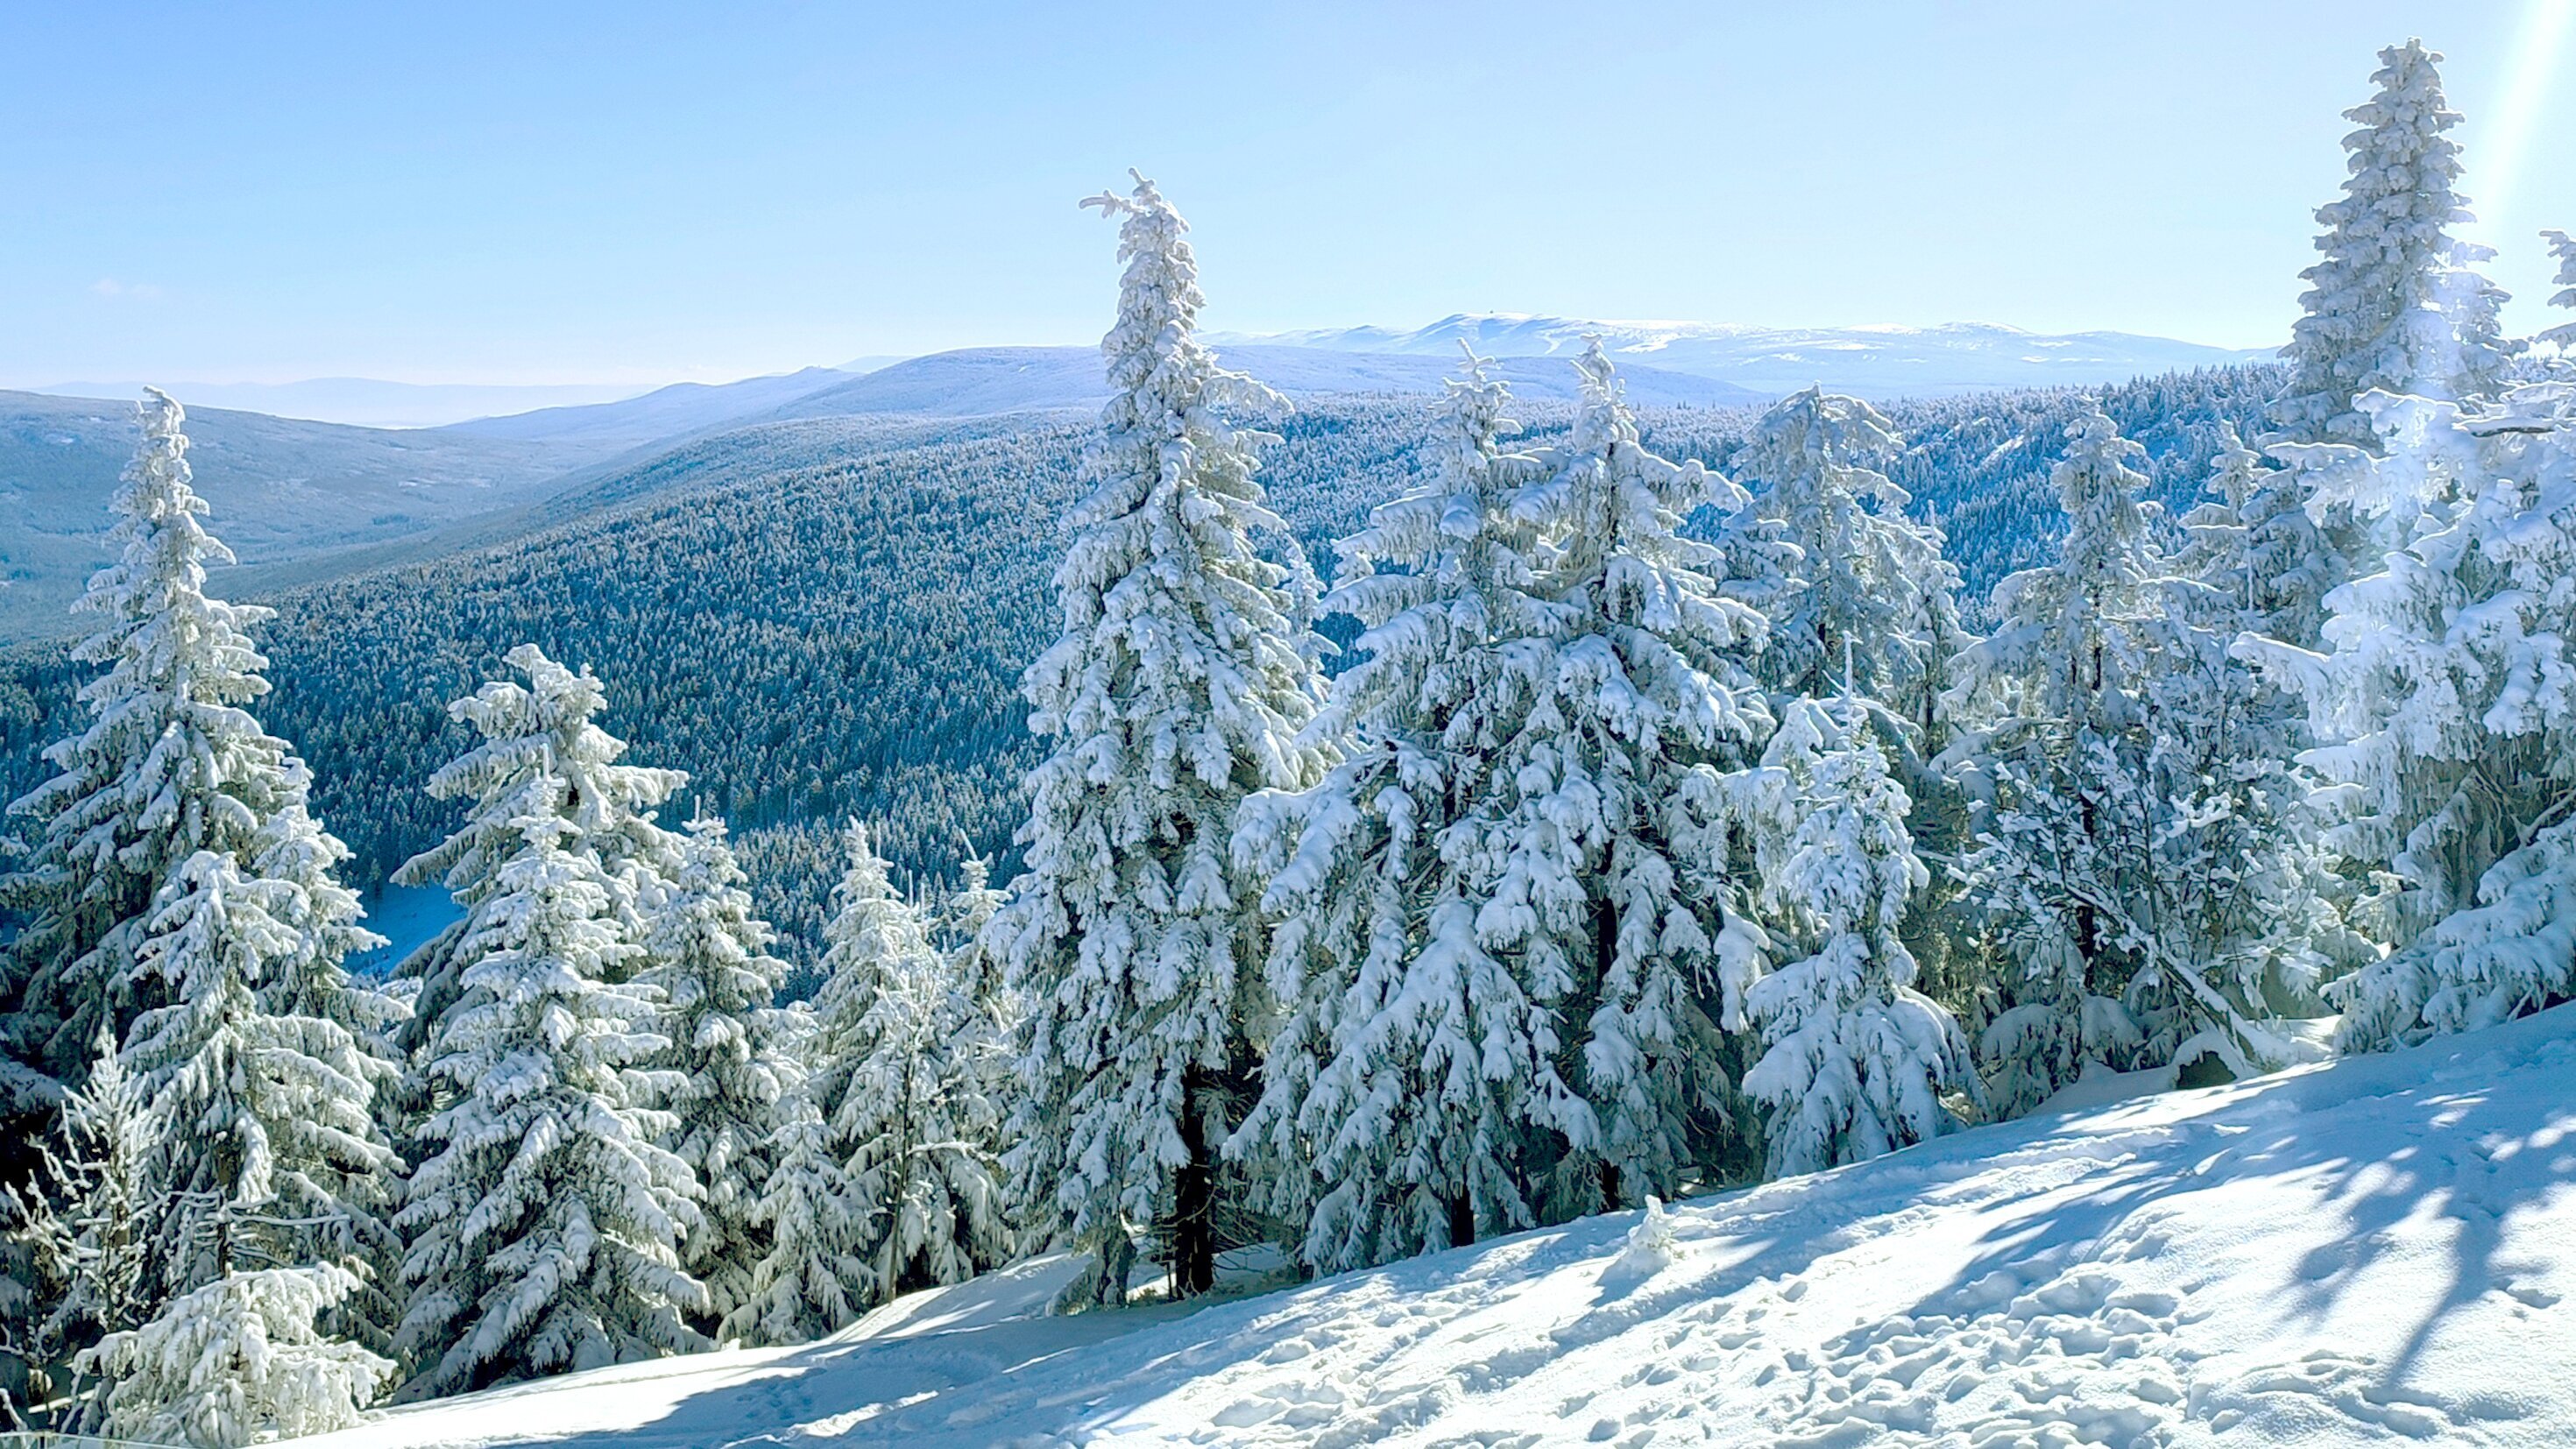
<point x="981" y="380"/>
<point x="2368" y="1252"/>
<point x="1875" y="362"/>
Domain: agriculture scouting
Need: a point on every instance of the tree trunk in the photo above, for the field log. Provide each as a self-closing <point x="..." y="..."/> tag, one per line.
<point x="1462" y="1220"/>
<point x="1605" y="955"/>
<point x="1193" y="1227"/>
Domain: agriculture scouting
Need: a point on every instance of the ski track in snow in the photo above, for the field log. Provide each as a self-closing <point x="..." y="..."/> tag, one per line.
<point x="2370" y="1252"/>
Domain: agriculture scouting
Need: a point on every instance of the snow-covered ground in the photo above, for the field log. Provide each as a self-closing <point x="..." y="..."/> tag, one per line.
<point x="2373" y="1251"/>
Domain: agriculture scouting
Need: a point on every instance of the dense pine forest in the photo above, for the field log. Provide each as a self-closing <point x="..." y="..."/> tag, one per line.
<point x="1365" y="828"/>
<point x="825" y="619"/>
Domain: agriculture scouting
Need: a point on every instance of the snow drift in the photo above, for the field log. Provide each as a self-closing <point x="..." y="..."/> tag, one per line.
<point x="2366" y="1252"/>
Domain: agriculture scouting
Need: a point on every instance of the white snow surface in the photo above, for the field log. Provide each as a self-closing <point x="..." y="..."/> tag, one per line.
<point x="2367" y="1252"/>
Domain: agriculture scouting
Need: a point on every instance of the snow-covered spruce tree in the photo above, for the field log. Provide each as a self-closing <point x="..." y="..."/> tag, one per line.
<point x="1178" y="687"/>
<point x="902" y="1067"/>
<point x="707" y="953"/>
<point x="237" y="1362"/>
<point x="924" y="1163"/>
<point x="2396" y="302"/>
<point x="543" y="1219"/>
<point x="808" y="1280"/>
<point x="2443" y="708"/>
<point x="1841" y="569"/>
<point x="1414" y="1071"/>
<point x="1604" y="859"/>
<point x="264" y="1142"/>
<point x="2232" y="736"/>
<point x="168" y="764"/>
<point x="92" y="1230"/>
<point x="1864" y="580"/>
<point x="814" y="1277"/>
<point x="2103" y="847"/>
<point x="1854" y="1059"/>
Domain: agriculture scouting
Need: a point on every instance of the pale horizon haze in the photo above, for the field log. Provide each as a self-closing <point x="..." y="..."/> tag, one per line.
<point x="640" y="194"/>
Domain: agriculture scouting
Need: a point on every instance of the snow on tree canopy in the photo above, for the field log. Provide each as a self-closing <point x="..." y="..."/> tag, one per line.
<point x="1604" y="860"/>
<point x="2441" y="708"/>
<point x="544" y="1217"/>
<point x="2108" y="859"/>
<point x="902" y="1120"/>
<point x="239" y="1361"/>
<point x="731" y="1050"/>
<point x="541" y="754"/>
<point x="1413" y="1068"/>
<point x="265" y="1143"/>
<point x="1860" y="572"/>
<point x="1854" y="1058"/>
<point x="1179" y="686"/>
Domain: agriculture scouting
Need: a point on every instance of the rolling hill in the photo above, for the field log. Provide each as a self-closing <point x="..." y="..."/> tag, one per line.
<point x="283" y="489"/>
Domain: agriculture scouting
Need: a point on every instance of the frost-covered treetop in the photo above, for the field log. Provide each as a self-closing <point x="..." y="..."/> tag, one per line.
<point x="1814" y="435"/>
<point x="542" y="757"/>
<point x="2395" y="303"/>
<point x="1858" y="571"/>
<point x="169" y="646"/>
<point x="1163" y="591"/>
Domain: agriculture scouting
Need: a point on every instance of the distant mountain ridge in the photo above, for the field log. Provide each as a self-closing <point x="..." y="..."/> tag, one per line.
<point x="359" y="402"/>
<point x="669" y="412"/>
<point x="982" y="380"/>
<point x="1874" y="361"/>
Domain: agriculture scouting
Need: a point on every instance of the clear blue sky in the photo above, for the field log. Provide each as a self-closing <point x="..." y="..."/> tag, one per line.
<point x="637" y="192"/>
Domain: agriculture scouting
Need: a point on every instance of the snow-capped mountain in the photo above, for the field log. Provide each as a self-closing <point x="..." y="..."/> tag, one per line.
<point x="1877" y="361"/>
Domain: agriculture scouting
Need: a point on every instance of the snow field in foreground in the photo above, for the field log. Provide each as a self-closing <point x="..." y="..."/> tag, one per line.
<point x="2368" y="1252"/>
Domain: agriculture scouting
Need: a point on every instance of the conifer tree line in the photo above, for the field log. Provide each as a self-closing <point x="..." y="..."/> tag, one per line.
<point x="1611" y="860"/>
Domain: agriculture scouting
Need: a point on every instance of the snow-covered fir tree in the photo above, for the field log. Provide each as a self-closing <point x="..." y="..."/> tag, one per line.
<point x="169" y="807"/>
<point x="2396" y="303"/>
<point x="1179" y="686"/>
<point x="265" y="1145"/>
<point x="168" y="763"/>
<point x="923" y="1135"/>
<point x="2104" y="860"/>
<point x="902" y="1070"/>
<point x="93" y="1231"/>
<point x="543" y="1217"/>
<point x="809" y="1279"/>
<point x="237" y="1362"/>
<point x="1605" y="860"/>
<point x="731" y="1051"/>
<point x="2442" y="709"/>
<point x="1415" y="1072"/>
<point x="1860" y="576"/>
<point x="1854" y="1059"/>
<point x="816" y="1275"/>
